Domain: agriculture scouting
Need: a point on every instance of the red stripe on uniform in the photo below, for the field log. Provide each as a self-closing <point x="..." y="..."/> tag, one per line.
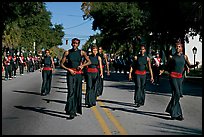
<point x="176" y="75"/>
<point x="139" y="72"/>
<point x="94" y="70"/>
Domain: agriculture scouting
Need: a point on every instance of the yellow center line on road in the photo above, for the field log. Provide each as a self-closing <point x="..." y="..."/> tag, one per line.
<point x="98" y="116"/>
<point x="102" y="122"/>
<point x="114" y="120"/>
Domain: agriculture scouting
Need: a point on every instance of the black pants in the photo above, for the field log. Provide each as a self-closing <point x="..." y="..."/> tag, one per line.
<point x="91" y="89"/>
<point x="100" y="86"/>
<point x="15" y="67"/>
<point x="139" y="96"/>
<point x="100" y="83"/>
<point x="174" y="107"/>
<point x="8" y="71"/>
<point x="74" y="96"/>
<point x="156" y="75"/>
<point x="21" y="67"/>
<point x="47" y="79"/>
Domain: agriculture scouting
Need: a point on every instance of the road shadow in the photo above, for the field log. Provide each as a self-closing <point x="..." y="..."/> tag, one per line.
<point x="28" y="92"/>
<point x="61" y="91"/>
<point x="60" y="74"/>
<point x="176" y="129"/>
<point x="116" y="102"/>
<point x="59" y="101"/>
<point x="148" y="113"/>
<point x="126" y="87"/>
<point x="164" y="88"/>
<point x="116" y="77"/>
<point x="44" y="111"/>
<point x="55" y="101"/>
<point x="59" y="87"/>
<point x="62" y="81"/>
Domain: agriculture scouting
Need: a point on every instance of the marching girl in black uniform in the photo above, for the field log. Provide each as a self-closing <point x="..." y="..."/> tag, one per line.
<point x="74" y="77"/>
<point x="104" y="65"/>
<point x="138" y="70"/>
<point x="93" y="74"/>
<point x="176" y="66"/>
<point x="47" y="68"/>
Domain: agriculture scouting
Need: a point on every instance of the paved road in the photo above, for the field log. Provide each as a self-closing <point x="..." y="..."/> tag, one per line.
<point x="25" y="112"/>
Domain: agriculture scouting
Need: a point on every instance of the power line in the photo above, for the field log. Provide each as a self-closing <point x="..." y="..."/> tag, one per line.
<point x="69" y="15"/>
<point x="77" y="25"/>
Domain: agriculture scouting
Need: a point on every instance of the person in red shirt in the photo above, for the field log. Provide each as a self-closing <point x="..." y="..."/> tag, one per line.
<point x="157" y="68"/>
<point x="7" y="65"/>
<point x="21" y="63"/>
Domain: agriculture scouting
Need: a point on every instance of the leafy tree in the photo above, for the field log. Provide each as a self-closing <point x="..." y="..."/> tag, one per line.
<point x="117" y="21"/>
<point x="29" y="22"/>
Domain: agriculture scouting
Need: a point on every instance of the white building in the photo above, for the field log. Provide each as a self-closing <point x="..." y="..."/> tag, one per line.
<point x="194" y="42"/>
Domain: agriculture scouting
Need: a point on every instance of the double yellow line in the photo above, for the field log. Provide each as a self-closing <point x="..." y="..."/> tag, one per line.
<point x="102" y="122"/>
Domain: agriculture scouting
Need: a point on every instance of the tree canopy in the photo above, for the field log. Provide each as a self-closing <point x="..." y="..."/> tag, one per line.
<point x="27" y="22"/>
<point x="158" y="22"/>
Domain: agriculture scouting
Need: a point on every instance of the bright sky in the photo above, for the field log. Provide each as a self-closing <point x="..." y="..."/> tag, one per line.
<point x="69" y="14"/>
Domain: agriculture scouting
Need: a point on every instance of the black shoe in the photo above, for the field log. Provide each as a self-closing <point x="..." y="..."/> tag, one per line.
<point x="72" y="116"/>
<point x="88" y="106"/>
<point x="43" y="94"/>
<point x="137" y="105"/>
<point x="180" y="118"/>
<point x="173" y="118"/>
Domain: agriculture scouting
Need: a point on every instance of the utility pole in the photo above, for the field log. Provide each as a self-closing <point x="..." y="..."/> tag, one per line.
<point x="34" y="47"/>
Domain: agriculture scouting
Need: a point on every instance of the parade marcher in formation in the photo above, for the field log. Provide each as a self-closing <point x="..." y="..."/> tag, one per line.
<point x="47" y="68"/>
<point x="22" y="63"/>
<point x="14" y="65"/>
<point x="8" y="66"/>
<point x="32" y="63"/>
<point x="36" y="62"/>
<point x="105" y="64"/>
<point x="93" y="75"/>
<point x="74" y="67"/>
<point x="157" y="68"/>
<point x="138" y="70"/>
<point x="176" y="66"/>
<point x="28" y="63"/>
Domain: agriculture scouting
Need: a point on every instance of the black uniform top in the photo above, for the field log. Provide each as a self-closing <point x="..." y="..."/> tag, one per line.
<point x="140" y="63"/>
<point x="177" y="63"/>
<point x="102" y="58"/>
<point x="47" y="61"/>
<point x="94" y="61"/>
<point x="74" y="58"/>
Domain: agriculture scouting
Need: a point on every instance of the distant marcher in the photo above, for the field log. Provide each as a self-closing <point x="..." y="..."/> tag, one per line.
<point x="14" y="65"/>
<point x="105" y="66"/>
<point x="157" y="69"/>
<point x="22" y="63"/>
<point x="47" y="68"/>
<point x="8" y="66"/>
